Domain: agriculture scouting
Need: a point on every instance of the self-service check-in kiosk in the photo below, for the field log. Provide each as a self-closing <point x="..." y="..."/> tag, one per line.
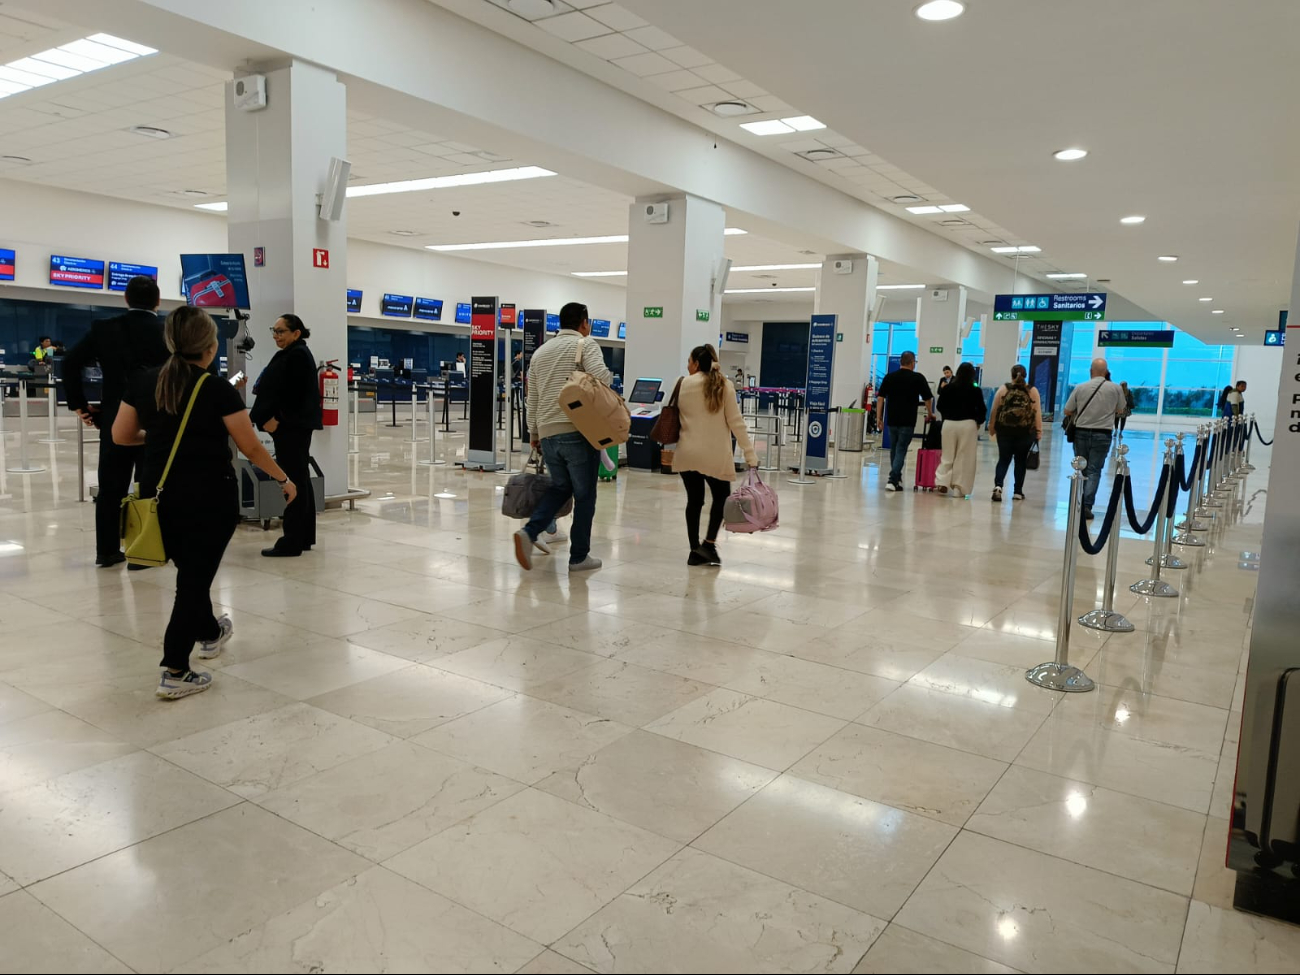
<point x="644" y="403"/>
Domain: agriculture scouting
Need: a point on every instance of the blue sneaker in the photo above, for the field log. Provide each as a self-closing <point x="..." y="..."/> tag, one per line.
<point x="210" y="648"/>
<point x="173" y="686"/>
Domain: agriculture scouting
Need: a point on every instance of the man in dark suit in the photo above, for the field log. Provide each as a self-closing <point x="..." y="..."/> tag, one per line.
<point x="122" y="346"/>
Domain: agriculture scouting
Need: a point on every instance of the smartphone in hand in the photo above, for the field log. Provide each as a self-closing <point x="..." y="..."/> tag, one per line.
<point x="237" y="378"/>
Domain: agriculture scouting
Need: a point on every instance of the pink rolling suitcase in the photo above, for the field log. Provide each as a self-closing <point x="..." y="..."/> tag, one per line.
<point x="927" y="465"/>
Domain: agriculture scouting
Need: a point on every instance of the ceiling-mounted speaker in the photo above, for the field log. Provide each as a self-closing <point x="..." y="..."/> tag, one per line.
<point x="720" y="275"/>
<point x="939" y="294"/>
<point x="656" y="213"/>
<point x="842" y="267"/>
<point x="336" y="190"/>
<point x="249" y="93"/>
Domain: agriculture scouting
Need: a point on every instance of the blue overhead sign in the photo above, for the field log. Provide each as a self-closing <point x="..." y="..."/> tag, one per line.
<point x="1086" y="307"/>
<point x="1275" y="336"/>
<point x="1157" y="338"/>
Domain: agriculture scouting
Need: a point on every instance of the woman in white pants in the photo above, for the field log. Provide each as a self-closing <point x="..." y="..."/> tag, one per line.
<point x="961" y="404"/>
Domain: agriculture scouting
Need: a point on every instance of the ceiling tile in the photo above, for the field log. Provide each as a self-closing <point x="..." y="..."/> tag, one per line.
<point x="716" y="74"/>
<point x="612" y="15"/>
<point x="653" y="64"/>
<point x="675" y="80"/>
<point x="770" y="103"/>
<point x="687" y="57"/>
<point x="705" y="95"/>
<point x="744" y="89"/>
<point x="573" y="27"/>
<point x="653" y="38"/>
<point x="611" y="46"/>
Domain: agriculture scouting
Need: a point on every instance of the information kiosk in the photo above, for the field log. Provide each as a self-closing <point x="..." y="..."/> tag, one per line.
<point x="645" y="402"/>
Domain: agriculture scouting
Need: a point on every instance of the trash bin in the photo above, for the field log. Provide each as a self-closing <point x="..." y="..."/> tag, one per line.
<point x="853" y="424"/>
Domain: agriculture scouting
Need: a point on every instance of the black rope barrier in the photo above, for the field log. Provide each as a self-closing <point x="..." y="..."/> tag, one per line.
<point x="1259" y="436"/>
<point x="1187" y="478"/>
<point x="1144" y="526"/>
<point x="1173" y="490"/>
<point x="1107" y="522"/>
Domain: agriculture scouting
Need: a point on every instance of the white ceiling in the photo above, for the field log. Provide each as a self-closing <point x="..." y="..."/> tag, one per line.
<point x="1186" y="106"/>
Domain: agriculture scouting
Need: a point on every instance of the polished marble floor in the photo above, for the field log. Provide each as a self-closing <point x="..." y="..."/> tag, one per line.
<point x="822" y="757"/>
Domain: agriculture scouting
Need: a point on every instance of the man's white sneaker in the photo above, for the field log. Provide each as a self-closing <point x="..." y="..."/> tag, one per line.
<point x="210" y="648"/>
<point x="523" y="549"/>
<point x="172" y="686"/>
<point x="586" y="565"/>
<point x="558" y="535"/>
<point x="891" y="486"/>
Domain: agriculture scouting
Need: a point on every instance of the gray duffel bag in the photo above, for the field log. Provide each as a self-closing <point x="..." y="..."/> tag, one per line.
<point x="524" y="491"/>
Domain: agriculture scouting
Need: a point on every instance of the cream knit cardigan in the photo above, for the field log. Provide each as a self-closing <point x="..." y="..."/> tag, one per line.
<point x="705" y="442"/>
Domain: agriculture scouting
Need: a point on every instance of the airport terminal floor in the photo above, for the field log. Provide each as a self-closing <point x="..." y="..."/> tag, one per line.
<point x="822" y="756"/>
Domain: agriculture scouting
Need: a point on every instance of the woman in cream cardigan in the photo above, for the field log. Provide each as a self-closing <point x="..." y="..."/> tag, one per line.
<point x="710" y="416"/>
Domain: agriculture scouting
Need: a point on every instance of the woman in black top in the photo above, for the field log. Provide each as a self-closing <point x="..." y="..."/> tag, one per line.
<point x="961" y="404"/>
<point x="288" y="408"/>
<point x="199" y="504"/>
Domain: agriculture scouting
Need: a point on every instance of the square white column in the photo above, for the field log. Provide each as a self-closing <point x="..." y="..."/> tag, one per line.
<point x="846" y="288"/>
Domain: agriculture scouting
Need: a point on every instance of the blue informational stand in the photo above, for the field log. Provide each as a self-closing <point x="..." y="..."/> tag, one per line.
<point x="821" y="368"/>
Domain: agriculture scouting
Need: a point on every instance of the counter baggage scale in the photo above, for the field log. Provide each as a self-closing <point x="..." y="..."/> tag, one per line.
<point x="644" y="404"/>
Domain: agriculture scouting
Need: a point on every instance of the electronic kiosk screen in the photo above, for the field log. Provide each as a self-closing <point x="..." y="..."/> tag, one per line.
<point x="600" y="328"/>
<point x="7" y="261"/>
<point x="77" y="272"/>
<point x="354" y="301"/>
<point x="120" y="275"/>
<point x="428" y="309"/>
<point x="463" y="312"/>
<point x="645" y="391"/>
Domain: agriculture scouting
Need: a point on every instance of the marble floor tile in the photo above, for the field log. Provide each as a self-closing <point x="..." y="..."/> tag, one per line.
<point x="987" y="681"/>
<point x="434" y="598"/>
<point x="1151" y="675"/>
<point x="256" y="755"/>
<point x="956" y="721"/>
<point x="748" y="728"/>
<point x="1011" y="648"/>
<point x="1041" y="914"/>
<point x="907" y="773"/>
<point x="700" y="913"/>
<point x="78" y="816"/>
<point x="1148" y="717"/>
<point x="516" y="662"/>
<point x="882" y="648"/>
<point x="1215" y="883"/>
<point x="14" y="704"/>
<point x="1219" y="940"/>
<point x="38" y="940"/>
<point x="660" y="784"/>
<point x="550" y="963"/>
<point x="620" y="691"/>
<point x="425" y="637"/>
<point x="800" y="608"/>
<point x="901" y="950"/>
<point x="1125" y="835"/>
<point x="341" y="615"/>
<point x="699" y="658"/>
<point x="123" y="900"/>
<point x="386" y="801"/>
<point x="407" y="701"/>
<point x="826" y="841"/>
<point x="510" y="612"/>
<point x="812" y="686"/>
<point x="965" y="608"/>
<point x="595" y="632"/>
<point x="42" y="745"/>
<point x="523" y="738"/>
<point x="374" y="922"/>
<point x="534" y="862"/>
<point x="310" y="671"/>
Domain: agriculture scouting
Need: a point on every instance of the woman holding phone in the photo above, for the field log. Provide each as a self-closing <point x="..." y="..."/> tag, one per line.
<point x="198" y="507"/>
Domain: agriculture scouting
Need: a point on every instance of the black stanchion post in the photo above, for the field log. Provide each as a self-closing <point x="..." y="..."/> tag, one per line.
<point x="1155" y="586"/>
<point x="1104" y="617"/>
<point x="1058" y="674"/>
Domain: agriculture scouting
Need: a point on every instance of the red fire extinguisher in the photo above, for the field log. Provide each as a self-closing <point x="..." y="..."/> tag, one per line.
<point x="329" y="394"/>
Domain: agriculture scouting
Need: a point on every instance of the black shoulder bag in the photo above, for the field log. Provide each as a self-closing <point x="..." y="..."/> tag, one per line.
<point x="1068" y="422"/>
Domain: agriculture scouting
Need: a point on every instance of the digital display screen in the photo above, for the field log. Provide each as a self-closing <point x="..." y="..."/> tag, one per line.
<point x="214" y="280"/>
<point x="354" y="302"/>
<point x="77" y="272"/>
<point x="552" y="323"/>
<point x="430" y="309"/>
<point x="119" y="274"/>
<point x="7" y="259"/>
<point x="622" y="330"/>
<point x="645" y="391"/>
<point x="463" y="311"/>
<point x="599" y="328"/>
<point x="396" y="306"/>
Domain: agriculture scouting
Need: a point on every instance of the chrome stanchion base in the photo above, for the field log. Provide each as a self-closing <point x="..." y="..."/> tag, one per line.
<point x="1169" y="562"/>
<point x="1105" y="619"/>
<point x="23" y="470"/>
<point x="1060" y="677"/>
<point x="801" y="480"/>
<point x="1154" y="587"/>
<point x="49" y="440"/>
<point x="1247" y="469"/>
<point x="432" y="463"/>
<point x="1207" y="503"/>
<point x="1192" y="526"/>
<point x="836" y="473"/>
<point x="1185" y="537"/>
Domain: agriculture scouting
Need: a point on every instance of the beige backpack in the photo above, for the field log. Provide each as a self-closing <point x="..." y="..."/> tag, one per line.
<point x="598" y="413"/>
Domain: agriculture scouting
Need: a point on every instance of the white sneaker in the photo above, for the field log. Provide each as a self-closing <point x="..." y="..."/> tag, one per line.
<point x="174" y="686"/>
<point x="558" y="535"/>
<point x="208" y="649"/>
<point x="891" y="486"/>
<point x="586" y="565"/>
<point x="523" y="549"/>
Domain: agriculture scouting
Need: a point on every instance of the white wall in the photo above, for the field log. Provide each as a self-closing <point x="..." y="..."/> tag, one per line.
<point x="37" y="221"/>
<point x="1261" y="367"/>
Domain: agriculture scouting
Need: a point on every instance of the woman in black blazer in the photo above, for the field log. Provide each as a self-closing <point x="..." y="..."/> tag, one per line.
<point x="288" y="408"/>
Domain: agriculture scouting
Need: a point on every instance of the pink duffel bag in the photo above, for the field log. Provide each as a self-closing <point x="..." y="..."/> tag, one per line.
<point x="752" y="507"/>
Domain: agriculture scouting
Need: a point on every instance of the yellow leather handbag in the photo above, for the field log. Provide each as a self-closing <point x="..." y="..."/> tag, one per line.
<point x="142" y="539"/>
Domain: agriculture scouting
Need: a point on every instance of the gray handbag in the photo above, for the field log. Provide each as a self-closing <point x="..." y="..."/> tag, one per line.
<point x="524" y="491"/>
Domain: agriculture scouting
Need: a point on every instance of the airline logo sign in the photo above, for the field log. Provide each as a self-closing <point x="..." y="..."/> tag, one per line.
<point x="1081" y="307"/>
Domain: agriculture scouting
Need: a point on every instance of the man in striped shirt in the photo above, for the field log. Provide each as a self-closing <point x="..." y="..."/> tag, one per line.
<point x="571" y="462"/>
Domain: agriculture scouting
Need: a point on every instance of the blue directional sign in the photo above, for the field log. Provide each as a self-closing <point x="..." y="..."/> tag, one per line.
<point x="1082" y="307"/>
<point x="1275" y="336"/>
<point x="1156" y="338"/>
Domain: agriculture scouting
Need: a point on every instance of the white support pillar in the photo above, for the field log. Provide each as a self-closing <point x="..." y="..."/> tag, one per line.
<point x="846" y="288"/>
<point x="671" y="268"/>
<point x="1001" y="351"/>
<point x="277" y="159"/>
<point x="941" y="314"/>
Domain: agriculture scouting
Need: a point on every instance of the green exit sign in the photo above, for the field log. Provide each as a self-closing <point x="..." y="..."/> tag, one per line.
<point x="701" y="314"/>
<point x="653" y="311"/>
<point x="937" y="349"/>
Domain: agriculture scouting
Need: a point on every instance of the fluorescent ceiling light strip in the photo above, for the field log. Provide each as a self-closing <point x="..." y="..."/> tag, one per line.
<point x="954" y="208"/>
<point x="1072" y="274"/>
<point x="220" y="206"/>
<point x="66" y="61"/>
<point x="492" y="245"/>
<point x="919" y="211"/>
<point x="899" y="287"/>
<point x="803" y="123"/>
<point x="767" y="127"/>
<point x="762" y="291"/>
<point x="444" y="182"/>
<point x="774" y="267"/>
<point x="602" y="274"/>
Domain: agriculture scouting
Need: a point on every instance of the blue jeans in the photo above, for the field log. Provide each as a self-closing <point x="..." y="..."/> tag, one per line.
<point x="1093" y="446"/>
<point x="572" y="464"/>
<point x="900" y="438"/>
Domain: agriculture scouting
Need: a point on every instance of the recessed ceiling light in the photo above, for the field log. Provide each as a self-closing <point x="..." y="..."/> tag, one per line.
<point x="67" y="61"/>
<point x="803" y="123"/>
<point x="1022" y="249"/>
<point x="444" y="182"/>
<point x="1216" y="311"/>
<point x="940" y="10"/>
<point x="954" y="222"/>
<point x="1069" y="155"/>
<point x="899" y="287"/>
<point x="405" y="233"/>
<point x="150" y="131"/>
<point x="923" y="210"/>
<point x="1204" y="299"/>
<point x="1135" y="218"/>
<point x="492" y="245"/>
<point x="769" y="126"/>
<point x="990" y="243"/>
<point x="954" y="208"/>
<point x="762" y="291"/>
<point x="1062" y="276"/>
<point x="1192" y="281"/>
<point x="732" y="109"/>
<point x="775" y="267"/>
<point x="194" y="192"/>
<point x="602" y="274"/>
<point x="15" y="159"/>
<point x="219" y="206"/>
<point x="906" y="198"/>
<point x="538" y="223"/>
<point x="1168" y="258"/>
<point x="820" y="153"/>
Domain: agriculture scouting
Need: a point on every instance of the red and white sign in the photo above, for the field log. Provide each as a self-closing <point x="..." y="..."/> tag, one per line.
<point x="320" y="257"/>
<point x="259" y="257"/>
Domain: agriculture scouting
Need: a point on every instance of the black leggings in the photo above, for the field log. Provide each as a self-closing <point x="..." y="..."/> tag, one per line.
<point x="695" y="482"/>
<point x="197" y="523"/>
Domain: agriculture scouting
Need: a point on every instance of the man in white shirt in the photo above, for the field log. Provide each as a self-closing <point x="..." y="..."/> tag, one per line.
<point x="1094" y="406"/>
<point x="1237" y="399"/>
<point x="571" y="461"/>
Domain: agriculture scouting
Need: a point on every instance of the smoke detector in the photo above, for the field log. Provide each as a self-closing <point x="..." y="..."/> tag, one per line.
<point x="538" y="223"/>
<point x="816" y="155"/>
<point x="907" y="198"/>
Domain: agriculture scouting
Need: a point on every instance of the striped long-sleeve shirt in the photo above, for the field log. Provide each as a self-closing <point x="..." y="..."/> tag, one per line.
<point x="547" y="374"/>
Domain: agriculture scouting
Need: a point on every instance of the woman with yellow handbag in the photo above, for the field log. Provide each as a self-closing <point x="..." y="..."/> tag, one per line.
<point x="184" y="416"/>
